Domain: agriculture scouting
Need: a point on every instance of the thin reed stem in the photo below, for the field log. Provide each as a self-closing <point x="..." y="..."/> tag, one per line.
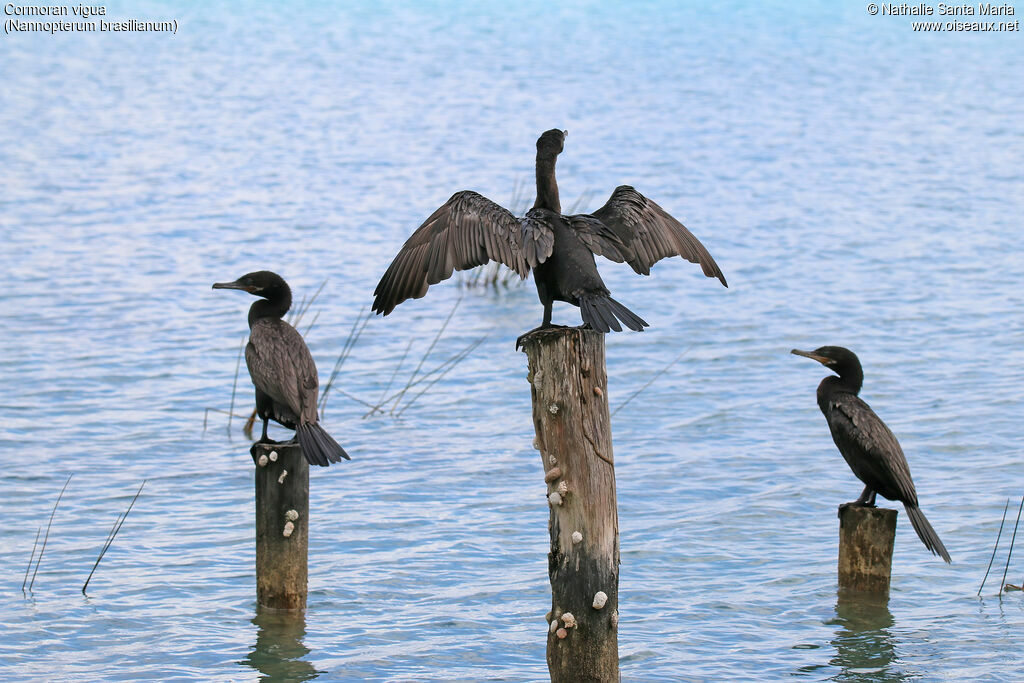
<point x="350" y="342"/>
<point x="391" y="381"/>
<point x="113" y="534"/>
<point x="458" y="357"/>
<point x="651" y="380"/>
<point x="304" y="305"/>
<point x="992" y="559"/>
<point x="311" y="324"/>
<point x="419" y="380"/>
<point x="31" y="557"/>
<point x="47" y="535"/>
<point x="425" y="355"/>
<point x="1010" y="553"/>
<point x="234" y="386"/>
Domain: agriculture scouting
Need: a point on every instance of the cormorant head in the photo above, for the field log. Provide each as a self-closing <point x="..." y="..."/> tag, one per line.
<point x="261" y="283"/>
<point x="550" y="143"/>
<point x="839" y="360"/>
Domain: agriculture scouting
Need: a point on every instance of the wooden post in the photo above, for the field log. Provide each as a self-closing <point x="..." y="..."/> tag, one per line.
<point x="866" y="537"/>
<point x="570" y="413"/>
<point x="282" y="525"/>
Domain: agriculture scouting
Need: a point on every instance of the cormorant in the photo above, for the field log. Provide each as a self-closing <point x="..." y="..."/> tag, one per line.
<point x="867" y="444"/>
<point x="282" y="368"/>
<point x="469" y="230"/>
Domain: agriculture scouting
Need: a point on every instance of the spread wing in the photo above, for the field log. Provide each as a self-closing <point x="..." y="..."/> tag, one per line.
<point x="281" y="366"/>
<point x="538" y="237"/>
<point x="466" y="231"/>
<point x="644" y="233"/>
<point x="870" y="448"/>
<point x="599" y="238"/>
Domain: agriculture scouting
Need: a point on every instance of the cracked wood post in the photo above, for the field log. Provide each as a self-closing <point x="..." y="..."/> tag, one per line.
<point x="282" y="529"/>
<point x="866" y="536"/>
<point x="570" y="413"/>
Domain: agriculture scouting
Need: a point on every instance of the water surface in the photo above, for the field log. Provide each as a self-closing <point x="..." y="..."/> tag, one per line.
<point x="858" y="183"/>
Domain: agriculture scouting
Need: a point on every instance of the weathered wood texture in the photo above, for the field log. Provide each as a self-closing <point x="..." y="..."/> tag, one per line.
<point x="570" y="413"/>
<point x="866" y="537"/>
<point x="281" y="560"/>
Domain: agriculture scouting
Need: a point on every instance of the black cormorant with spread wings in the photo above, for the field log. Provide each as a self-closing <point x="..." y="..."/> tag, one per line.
<point x="282" y="368"/>
<point x="867" y="444"/>
<point x="470" y="230"/>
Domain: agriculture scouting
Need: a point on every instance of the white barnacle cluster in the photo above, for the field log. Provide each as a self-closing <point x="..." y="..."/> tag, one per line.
<point x="273" y="456"/>
<point x="263" y="460"/>
<point x="553" y="409"/>
<point x="557" y="496"/>
<point x="577" y="537"/>
<point x="600" y="599"/>
<point x="289" y="528"/>
<point x="568" y="621"/>
<point x="291" y="515"/>
<point x="284" y="473"/>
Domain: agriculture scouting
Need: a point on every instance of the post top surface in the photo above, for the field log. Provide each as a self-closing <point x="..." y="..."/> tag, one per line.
<point x="549" y="334"/>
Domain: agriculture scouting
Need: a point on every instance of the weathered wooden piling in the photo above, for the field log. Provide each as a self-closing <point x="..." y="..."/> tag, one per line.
<point x="570" y="413"/>
<point x="866" y="537"/>
<point x="282" y="525"/>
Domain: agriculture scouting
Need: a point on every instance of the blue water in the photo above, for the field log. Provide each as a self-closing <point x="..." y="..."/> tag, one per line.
<point x="859" y="184"/>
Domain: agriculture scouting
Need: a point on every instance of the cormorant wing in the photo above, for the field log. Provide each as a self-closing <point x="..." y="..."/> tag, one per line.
<point x="599" y="238"/>
<point x="877" y="458"/>
<point x="281" y="366"/>
<point x="647" y="232"/>
<point x="466" y="231"/>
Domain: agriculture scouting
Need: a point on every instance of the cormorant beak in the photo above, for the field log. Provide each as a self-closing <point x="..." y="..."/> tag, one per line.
<point x="565" y="133"/>
<point x="824" y="360"/>
<point x="233" y="285"/>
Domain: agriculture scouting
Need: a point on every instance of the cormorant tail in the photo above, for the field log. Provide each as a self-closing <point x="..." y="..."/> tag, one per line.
<point x="926" y="533"/>
<point x="318" y="446"/>
<point x="603" y="314"/>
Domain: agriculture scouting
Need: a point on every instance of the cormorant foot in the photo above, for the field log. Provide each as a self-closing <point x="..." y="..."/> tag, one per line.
<point x="521" y="340"/>
<point x="858" y="504"/>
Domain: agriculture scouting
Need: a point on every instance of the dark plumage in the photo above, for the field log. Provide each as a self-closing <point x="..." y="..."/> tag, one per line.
<point x="469" y="230"/>
<point x="867" y="444"/>
<point x="282" y="368"/>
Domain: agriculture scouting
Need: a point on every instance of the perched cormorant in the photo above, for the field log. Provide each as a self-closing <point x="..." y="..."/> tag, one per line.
<point x="282" y="368"/>
<point x="469" y="230"/>
<point x="869" y="447"/>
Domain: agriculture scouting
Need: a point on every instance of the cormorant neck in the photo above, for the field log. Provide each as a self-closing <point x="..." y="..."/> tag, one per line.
<point x="547" y="188"/>
<point x="850" y="381"/>
<point x="853" y="380"/>
<point x="275" y="305"/>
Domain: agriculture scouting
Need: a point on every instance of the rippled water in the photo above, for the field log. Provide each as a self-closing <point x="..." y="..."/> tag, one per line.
<point x="858" y="183"/>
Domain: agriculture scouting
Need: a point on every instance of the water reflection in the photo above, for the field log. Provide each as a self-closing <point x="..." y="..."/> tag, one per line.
<point x="865" y="647"/>
<point x="279" y="651"/>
